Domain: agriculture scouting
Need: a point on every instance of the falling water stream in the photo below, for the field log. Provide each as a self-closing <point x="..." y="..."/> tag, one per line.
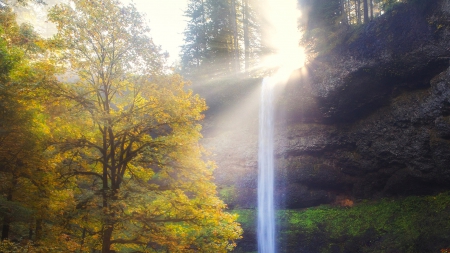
<point x="266" y="210"/>
<point x="283" y="17"/>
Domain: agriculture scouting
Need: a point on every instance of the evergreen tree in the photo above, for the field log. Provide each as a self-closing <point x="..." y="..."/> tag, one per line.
<point x="194" y="50"/>
<point x="251" y="29"/>
<point x="222" y="38"/>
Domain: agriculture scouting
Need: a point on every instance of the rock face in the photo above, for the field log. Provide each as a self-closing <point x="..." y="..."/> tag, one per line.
<point x="369" y="119"/>
<point x="400" y="148"/>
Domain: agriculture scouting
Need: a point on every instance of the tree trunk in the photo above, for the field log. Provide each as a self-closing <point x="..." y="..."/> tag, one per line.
<point x="197" y="50"/>
<point x="38" y="233"/>
<point x="30" y="232"/>
<point x="5" y="228"/>
<point x="371" y="9"/>
<point x="106" y="240"/>
<point x="108" y="225"/>
<point x="246" y="35"/>
<point x="197" y="57"/>
<point x="203" y="38"/>
<point x="349" y="11"/>
<point x="235" y="37"/>
<point x="7" y="219"/>
<point x="109" y="222"/>
<point x="107" y="229"/>
<point x="358" y="11"/>
<point x="366" y="11"/>
<point x="343" y="12"/>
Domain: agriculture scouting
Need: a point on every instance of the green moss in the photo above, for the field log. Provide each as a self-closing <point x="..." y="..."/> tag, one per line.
<point x="228" y="193"/>
<point x="411" y="224"/>
<point x="247" y="218"/>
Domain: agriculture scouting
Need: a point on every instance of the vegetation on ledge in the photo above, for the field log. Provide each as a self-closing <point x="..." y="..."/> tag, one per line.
<point x="411" y="224"/>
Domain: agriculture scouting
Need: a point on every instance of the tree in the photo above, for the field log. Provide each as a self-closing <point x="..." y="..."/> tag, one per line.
<point x="24" y="169"/>
<point x="330" y="20"/>
<point x="251" y="29"/>
<point x="246" y="31"/>
<point x="371" y="9"/>
<point x="366" y="11"/>
<point x="128" y="137"/>
<point x="210" y="39"/>
<point x="221" y="38"/>
<point x="194" y="50"/>
<point x="234" y="23"/>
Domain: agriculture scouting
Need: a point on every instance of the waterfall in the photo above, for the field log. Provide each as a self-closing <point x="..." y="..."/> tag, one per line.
<point x="266" y="210"/>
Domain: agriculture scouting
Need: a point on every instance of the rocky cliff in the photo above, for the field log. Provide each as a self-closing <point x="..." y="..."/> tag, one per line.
<point x="368" y="119"/>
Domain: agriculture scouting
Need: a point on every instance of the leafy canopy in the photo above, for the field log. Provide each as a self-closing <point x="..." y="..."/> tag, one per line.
<point x="126" y="134"/>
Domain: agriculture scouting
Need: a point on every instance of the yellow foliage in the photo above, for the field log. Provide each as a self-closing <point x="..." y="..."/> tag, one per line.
<point x="125" y="140"/>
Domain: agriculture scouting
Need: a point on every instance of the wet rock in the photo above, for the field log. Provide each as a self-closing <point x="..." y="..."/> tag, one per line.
<point x="300" y="196"/>
<point x="442" y="125"/>
<point x="368" y="120"/>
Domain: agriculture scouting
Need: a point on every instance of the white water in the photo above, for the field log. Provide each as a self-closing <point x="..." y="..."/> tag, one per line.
<point x="266" y="210"/>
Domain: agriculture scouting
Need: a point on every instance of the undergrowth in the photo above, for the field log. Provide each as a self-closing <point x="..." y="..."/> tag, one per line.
<point x="411" y="224"/>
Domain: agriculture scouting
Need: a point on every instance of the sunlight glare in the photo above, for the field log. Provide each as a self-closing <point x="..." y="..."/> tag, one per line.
<point x="284" y="37"/>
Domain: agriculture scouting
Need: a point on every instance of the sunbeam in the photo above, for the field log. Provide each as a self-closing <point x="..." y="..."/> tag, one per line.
<point x="283" y="38"/>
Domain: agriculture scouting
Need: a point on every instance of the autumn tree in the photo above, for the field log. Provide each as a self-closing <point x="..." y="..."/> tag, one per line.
<point x="127" y="134"/>
<point x="24" y="169"/>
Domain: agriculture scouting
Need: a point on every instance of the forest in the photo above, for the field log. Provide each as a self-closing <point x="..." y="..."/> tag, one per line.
<point x="229" y="38"/>
<point x="100" y="140"/>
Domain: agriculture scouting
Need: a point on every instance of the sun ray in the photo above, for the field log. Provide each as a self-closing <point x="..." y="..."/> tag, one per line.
<point x="283" y="38"/>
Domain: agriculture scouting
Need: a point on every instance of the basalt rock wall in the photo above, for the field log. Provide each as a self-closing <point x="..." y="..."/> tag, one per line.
<point x="369" y="119"/>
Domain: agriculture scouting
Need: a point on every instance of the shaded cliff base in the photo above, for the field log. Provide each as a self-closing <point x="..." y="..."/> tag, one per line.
<point x="414" y="224"/>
